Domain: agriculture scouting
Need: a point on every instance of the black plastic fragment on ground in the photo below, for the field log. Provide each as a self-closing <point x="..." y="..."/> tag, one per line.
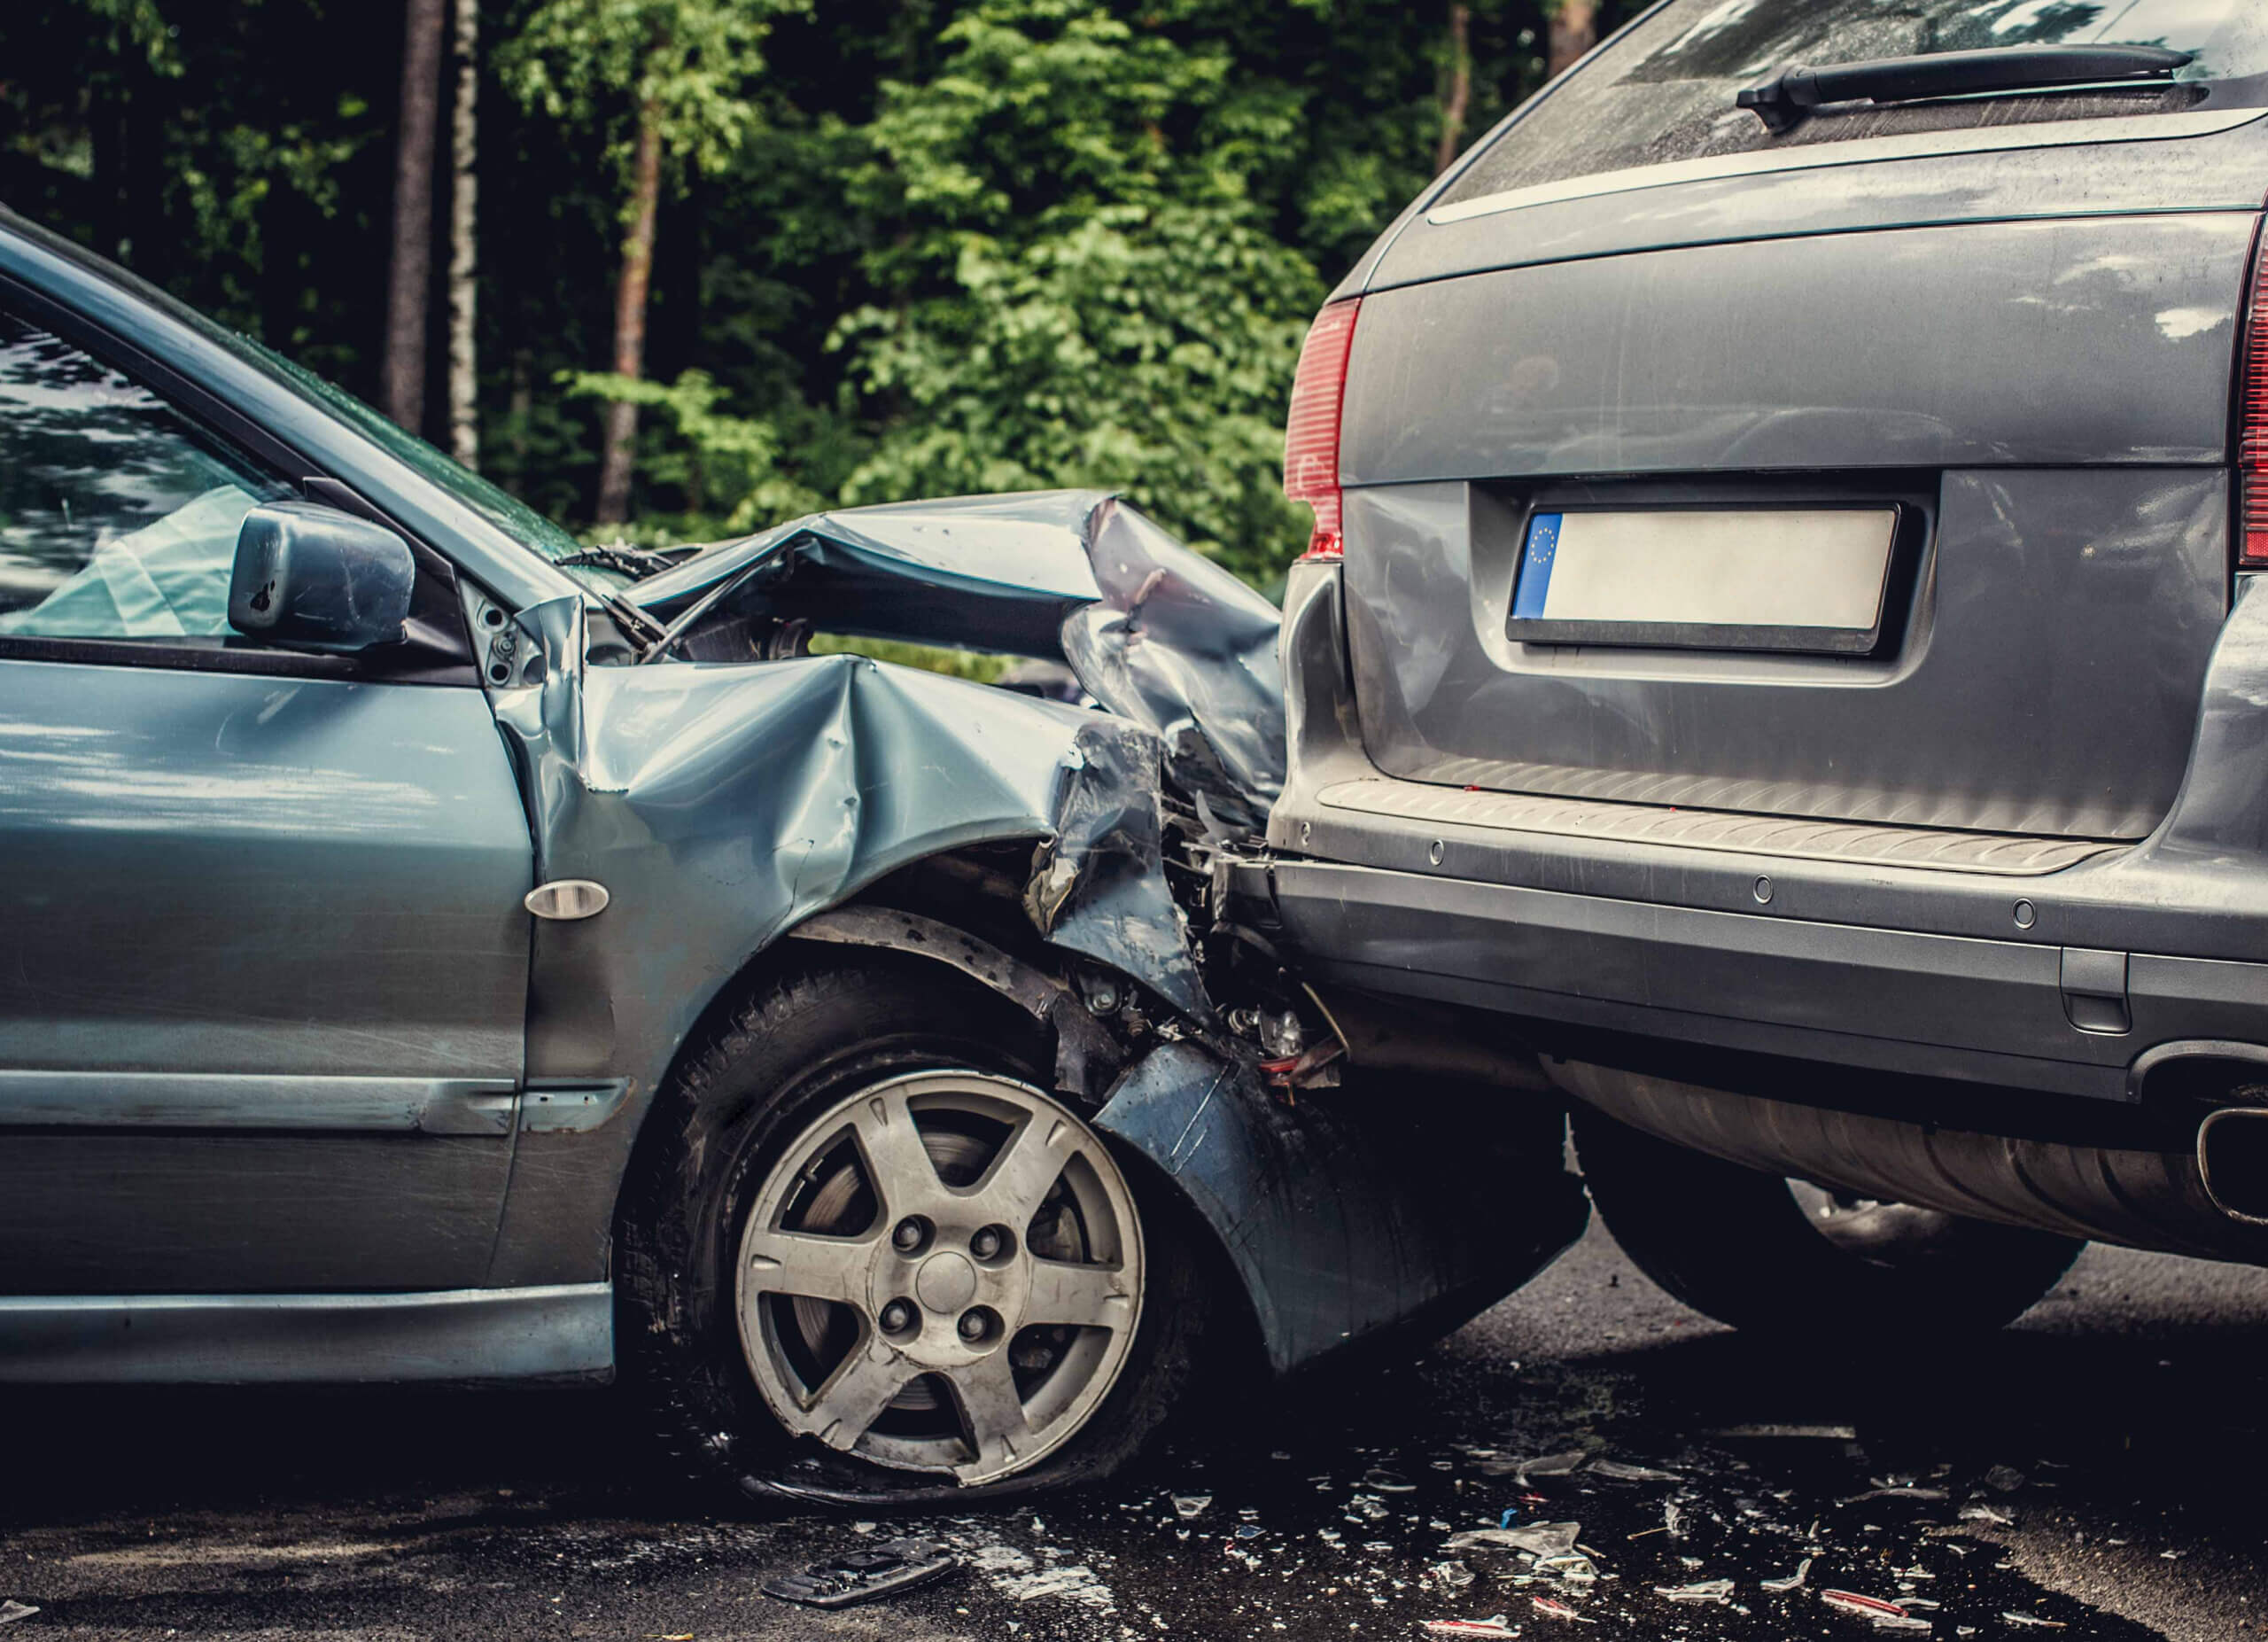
<point x="867" y="1575"/>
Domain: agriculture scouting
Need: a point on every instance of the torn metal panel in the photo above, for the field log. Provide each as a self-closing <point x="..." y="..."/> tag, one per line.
<point x="1351" y="1215"/>
<point x="1098" y="886"/>
<point x="1179" y="644"/>
<point x="991" y="573"/>
<point x="1155" y="633"/>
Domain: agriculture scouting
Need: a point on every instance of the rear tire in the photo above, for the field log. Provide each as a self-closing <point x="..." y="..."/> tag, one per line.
<point x="1736" y="1245"/>
<point x="761" y="1128"/>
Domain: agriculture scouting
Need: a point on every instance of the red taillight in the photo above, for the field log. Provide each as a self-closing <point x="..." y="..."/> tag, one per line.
<point x="2252" y="426"/>
<point x="1311" y="432"/>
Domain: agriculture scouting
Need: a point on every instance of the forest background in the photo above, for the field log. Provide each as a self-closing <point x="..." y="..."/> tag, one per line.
<point x="673" y="269"/>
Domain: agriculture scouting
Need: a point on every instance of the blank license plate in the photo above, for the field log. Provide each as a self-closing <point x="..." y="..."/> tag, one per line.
<point x="1798" y="579"/>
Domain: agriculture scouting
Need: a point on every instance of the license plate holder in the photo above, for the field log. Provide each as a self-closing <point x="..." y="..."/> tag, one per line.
<point x="1800" y="578"/>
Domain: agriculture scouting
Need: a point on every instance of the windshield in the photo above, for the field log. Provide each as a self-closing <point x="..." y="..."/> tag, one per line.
<point x="1663" y="90"/>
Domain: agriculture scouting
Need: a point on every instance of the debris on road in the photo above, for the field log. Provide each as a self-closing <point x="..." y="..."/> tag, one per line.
<point x="865" y="1574"/>
<point x="1791" y="1581"/>
<point x="2004" y="1479"/>
<point x="1550" y="1609"/>
<point x="1986" y="1514"/>
<point x="1496" y="1626"/>
<point x="1616" y="1471"/>
<point x="1570" y="1569"/>
<point x="1188" y="1506"/>
<point x="1885" y="1615"/>
<point x="1719" y="1591"/>
<point x="11" y="1612"/>
<point x="1455" y="1575"/>
<point x="2034" y="1621"/>
<point x="1550" y="1464"/>
<point x="1541" y="1539"/>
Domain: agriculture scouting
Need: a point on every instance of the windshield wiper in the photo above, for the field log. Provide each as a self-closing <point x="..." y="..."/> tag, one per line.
<point x="1788" y="98"/>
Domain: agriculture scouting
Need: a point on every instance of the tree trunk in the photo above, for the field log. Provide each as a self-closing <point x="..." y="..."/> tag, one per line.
<point x="630" y="318"/>
<point x="464" y="135"/>
<point x="1575" y="30"/>
<point x="412" y="269"/>
<point x="1458" y="96"/>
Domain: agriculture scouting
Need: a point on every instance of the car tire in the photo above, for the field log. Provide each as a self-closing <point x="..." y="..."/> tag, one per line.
<point x="1736" y="1245"/>
<point x="744" y="1373"/>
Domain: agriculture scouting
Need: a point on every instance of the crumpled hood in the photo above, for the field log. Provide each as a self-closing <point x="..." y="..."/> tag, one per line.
<point x="1153" y="631"/>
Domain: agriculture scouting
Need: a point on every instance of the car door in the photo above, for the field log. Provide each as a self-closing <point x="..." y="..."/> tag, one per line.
<point x="263" y="957"/>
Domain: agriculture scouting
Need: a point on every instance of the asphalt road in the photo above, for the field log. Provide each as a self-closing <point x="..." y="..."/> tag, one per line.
<point x="2123" y="1417"/>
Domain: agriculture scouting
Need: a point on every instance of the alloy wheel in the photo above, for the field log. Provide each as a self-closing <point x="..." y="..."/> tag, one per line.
<point x="941" y="1273"/>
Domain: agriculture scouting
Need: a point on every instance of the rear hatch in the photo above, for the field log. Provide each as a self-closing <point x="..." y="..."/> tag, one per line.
<point x="1876" y="469"/>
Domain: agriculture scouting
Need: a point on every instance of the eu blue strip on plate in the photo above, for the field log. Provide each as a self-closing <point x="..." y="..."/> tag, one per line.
<point x="1535" y="566"/>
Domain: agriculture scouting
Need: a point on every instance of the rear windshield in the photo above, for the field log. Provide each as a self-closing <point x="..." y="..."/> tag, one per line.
<point x="1663" y="89"/>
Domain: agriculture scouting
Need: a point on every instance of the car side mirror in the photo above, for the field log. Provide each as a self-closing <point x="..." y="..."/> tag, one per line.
<point x="315" y="578"/>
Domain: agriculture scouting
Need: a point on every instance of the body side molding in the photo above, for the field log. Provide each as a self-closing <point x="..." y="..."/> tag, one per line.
<point x="78" y="1100"/>
<point x="560" y="1332"/>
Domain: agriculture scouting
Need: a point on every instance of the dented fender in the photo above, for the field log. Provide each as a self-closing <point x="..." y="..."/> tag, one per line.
<point x="721" y="805"/>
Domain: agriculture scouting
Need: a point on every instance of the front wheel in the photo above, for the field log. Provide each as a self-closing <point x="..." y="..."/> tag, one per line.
<point x="867" y="1256"/>
<point x="1772" y="1255"/>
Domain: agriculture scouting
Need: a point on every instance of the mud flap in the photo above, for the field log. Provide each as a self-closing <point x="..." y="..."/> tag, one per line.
<point x="1369" y="1209"/>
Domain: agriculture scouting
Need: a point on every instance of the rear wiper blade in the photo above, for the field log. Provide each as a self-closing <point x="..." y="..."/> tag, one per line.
<point x="1786" y="99"/>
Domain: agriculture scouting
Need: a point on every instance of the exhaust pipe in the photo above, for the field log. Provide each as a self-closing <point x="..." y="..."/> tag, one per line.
<point x="2233" y="1160"/>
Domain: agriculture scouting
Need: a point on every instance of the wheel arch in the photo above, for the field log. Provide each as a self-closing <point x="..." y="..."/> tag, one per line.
<point x="956" y="913"/>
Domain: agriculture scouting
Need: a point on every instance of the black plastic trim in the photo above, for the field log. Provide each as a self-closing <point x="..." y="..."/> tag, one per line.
<point x="1866" y="1000"/>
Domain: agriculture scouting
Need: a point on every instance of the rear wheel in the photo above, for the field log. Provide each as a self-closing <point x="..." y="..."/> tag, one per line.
<point x="867" y="1256"/>
<point x="1774" y="1256"/>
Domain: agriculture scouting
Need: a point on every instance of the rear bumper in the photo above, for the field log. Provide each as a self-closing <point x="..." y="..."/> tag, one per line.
<point x="1956" y="1008"/>
<point x="2075" y="982"/>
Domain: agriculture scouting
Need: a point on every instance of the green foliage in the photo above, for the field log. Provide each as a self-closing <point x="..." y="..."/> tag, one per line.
<point x="908" y="246"/>
<point x="595" y="64"/>
<point x="1082" y="289"/>
<point x="727" y="468"/>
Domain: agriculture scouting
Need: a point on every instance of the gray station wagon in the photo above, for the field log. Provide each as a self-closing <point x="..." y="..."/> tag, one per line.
<point x="430" y="950"/>
<point x="1782" y="660"/>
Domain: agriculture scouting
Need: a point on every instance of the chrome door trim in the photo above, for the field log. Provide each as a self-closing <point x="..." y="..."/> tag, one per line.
<point x="1866" y="150"/>
<point x="85" y="1099"/>
<point x="560" y="1331"/>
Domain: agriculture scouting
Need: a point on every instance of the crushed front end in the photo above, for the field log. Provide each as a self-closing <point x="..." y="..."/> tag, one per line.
<point x="1087" y="841"/>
